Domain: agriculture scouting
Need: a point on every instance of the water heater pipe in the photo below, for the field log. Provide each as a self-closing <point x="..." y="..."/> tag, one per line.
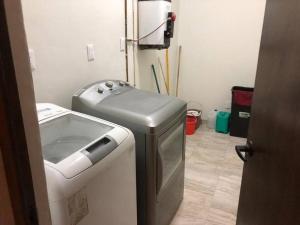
<point x="133" y="45"/>
<point x="126" y="43"/>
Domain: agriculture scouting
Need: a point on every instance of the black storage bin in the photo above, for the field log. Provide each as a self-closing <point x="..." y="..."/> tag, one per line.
<point x="240" y="111"/>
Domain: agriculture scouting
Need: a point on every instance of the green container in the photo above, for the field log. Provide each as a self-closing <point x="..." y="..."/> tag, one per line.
<point x="222" y="122"/>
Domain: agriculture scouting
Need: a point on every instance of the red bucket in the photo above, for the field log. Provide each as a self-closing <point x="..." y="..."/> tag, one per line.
<point x="191" y="123"/>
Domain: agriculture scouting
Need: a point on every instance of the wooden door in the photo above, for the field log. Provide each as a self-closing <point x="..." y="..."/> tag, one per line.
<point x="23" y="194"/>
<point x="270" y="193"/>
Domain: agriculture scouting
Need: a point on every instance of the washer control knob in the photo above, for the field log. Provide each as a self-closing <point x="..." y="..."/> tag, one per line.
<point x="100" y="90"/>
<point x="109" y="84"/>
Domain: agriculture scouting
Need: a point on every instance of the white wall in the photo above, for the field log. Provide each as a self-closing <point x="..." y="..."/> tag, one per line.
<point x="220" y="42"/>
<point x="58" y="31"/>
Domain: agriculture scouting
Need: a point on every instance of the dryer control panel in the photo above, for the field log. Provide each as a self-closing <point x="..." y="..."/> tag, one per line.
<point x="111" y="85"/>
<point x="97" y="92"/>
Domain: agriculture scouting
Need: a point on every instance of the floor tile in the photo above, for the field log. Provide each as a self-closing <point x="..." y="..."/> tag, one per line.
<point x="212" y="179"/>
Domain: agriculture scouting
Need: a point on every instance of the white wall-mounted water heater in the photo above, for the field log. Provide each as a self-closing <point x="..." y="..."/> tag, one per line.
<point x="156" y="24"/>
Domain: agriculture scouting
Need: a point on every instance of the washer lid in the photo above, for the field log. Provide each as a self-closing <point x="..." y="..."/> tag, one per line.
<point x="67" y="134"/>
<point x="72" y="142"/>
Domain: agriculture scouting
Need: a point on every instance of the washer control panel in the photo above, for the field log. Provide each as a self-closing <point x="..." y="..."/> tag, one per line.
<point x="47" y="110"/>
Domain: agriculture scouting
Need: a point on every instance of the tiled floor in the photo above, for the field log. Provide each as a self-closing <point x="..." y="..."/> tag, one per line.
<point x="212" y="180"/>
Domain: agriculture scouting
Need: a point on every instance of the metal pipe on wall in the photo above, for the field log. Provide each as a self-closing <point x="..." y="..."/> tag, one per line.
<point x="133" y="44"/>
<point x="126" y="43"/>
<point x="130" y="40"/>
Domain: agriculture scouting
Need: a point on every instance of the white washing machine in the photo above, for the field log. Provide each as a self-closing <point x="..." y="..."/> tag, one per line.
<point x="90" y="168"/>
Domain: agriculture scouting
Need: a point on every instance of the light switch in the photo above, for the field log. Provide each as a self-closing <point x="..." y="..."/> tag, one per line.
<point x="90" y="52"/>
<point x="32" y="59"/>
<point x="122" y="44"/>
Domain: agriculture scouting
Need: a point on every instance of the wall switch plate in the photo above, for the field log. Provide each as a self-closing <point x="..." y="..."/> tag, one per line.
<point x="122" y="44"/>
<point x="90" y="52"/>
<point x="32" y="59"/>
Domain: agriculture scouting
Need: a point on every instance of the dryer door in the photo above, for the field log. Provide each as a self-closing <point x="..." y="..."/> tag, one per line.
<point x="170" y="154"/>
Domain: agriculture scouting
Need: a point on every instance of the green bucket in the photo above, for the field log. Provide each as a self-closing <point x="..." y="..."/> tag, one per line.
<point x="222" y="122"/>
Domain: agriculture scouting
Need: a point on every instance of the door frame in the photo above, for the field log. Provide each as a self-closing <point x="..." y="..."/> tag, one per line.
<point x="23" y="189"/>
